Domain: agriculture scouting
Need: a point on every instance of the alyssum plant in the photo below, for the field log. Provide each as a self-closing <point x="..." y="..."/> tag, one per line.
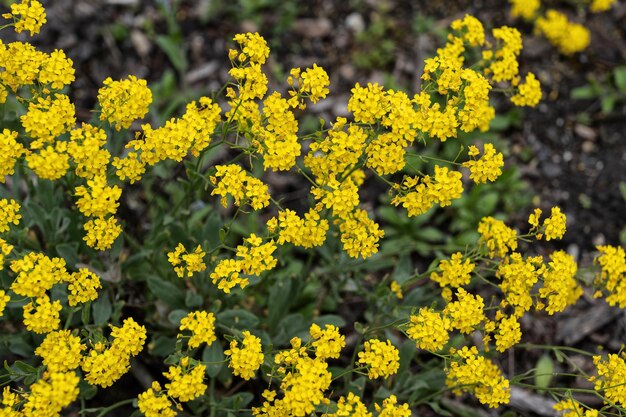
<point x="83" y="342"/>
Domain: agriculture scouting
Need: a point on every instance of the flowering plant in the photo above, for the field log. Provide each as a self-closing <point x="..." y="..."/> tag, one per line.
<point x="212" y="304"/>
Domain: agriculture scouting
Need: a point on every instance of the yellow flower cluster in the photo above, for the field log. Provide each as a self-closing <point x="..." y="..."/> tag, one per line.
<point x="312" y="83"/>
<point x="10" y="151"/>
<point x="123" y="102"/>
<point x="455" y="272"/>
<point x="201" y="324"/>
<point x="104" y="365"/>
<point x="190" y="133"/>
<point x="61" y="351"/>
<point x="4" y="299"/>
<point x="28" y="15"/>
<point x="471" y="372"/>
<point x="572" y="408"/>
<point x="154" y="403"/>
<point x="391" y="408"/>
<point x="597" y="6"/>
<point x="187" y="263"/>
<point x="528" y="93"/>
<point x="87" y="150"/>
<point x="610" y="378"/>
<point x="49" y="395"/>
<point x="560" y="288"/>
<point x="382" y="359"/>
<point x="568" y="37"/>
<point x="466" y="313"/>
<point x="497" y="236"/>
<point x="327" y="343"/>
<point x="612" y="260"/>
<point x="278" y="140"/>
<point x="526" y="9"/>
<point x="9" y="214"/>
<point x="417" y="197"/>
<point x="47" y="118"/>
<point x="101" y="232"/>
<point x="254" y="258"/>
<point x="488" y="167"/>
<point x="245" y="360"/>
<point x="509" y="333"/>
<point x="305" y="232"/>
<point x="244" y="188"/>
<point x="83" y="286"/>
<point x="42" y="315"/>
<point x="429" y="329"/>
<point x="186" y="381"/>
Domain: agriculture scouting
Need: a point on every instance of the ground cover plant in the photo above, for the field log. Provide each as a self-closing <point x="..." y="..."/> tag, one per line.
<point x="160" y="265"/>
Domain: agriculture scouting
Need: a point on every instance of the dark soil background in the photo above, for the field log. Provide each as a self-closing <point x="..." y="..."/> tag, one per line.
<point x="571" y="153"/>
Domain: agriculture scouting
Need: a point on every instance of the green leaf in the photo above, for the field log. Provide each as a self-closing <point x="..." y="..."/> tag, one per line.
<point x="193" y="299"/>
<point x="607" y="103"/>
<point x="403" y="270"/>
<point x="238" y="319"/>
<point x="278" y="301"/>
<point x="330" y="319"/>
<point x="619" y="74"/>
<point x="544" y="372"/>
<point x="166" y="291"/>
<point x="213" y="353"/>
<point x="174" y="51"/>
<point x="176" y="316"/>
<point x="162" y="346"/>
<point x="586" y="92"/>
<point x="24" y="367"/>
<point x="102" y="309"/>
<point x="69" y="252"/>
<point x="85" y="313"/>
<point x="622" y="189"/>
<point x="622" y="236"/>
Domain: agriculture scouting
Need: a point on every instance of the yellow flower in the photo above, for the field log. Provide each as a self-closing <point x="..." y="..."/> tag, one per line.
<point x="10" y="151"/>
<point x="328" y="342"/>
<point x="9" y="214"/>
<point x="554" y="226"/>
<point x="154" y="403"/>
<point x="509" y="333"/>
<point x="185" y="384"/>
<point x="527" y="9"/>
<point x="101" y="232"/>
<point x="49" y="395"/>
<point x="611" y="377"/>
<point x="202" y="326"/>
<point x="474" y="373"/>
<point x="529" y="93"/>
<point x="122" y="102"/>
<point x="4" y="299"/>
<point x="391" y="408"/>
<point x="61" y="351"/>
<point x="455" y="272"/>
<point x="497" y="236"/>
<point x="83" y="287"/>
<point x="488" y="167"/>
<point x="244" y="188"/>
<point x="28" y="15"/>
<point x="429" y="329"/>
<point x="245" y="360"/>
<point x="186" y="263"/>
<point x="382" y="359"/>
<point x="466" y="313"/>
<point x="42" y="316"/>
